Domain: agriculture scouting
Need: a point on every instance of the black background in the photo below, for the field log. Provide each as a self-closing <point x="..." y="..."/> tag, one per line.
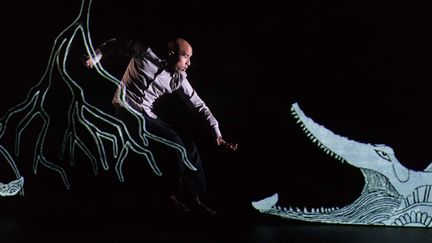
<point x="361" y="69"/>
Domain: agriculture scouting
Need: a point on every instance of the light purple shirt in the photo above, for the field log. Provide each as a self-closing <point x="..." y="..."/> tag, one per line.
<point x="147" y="78"/>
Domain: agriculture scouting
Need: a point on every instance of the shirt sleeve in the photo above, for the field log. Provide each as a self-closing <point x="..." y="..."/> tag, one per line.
<point x="120" y="46"/>
<point x="194" y="102"/>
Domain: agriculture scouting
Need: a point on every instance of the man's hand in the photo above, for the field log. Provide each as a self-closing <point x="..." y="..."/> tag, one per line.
<point x="231" y="146"/>
<point x="90" y="61"/>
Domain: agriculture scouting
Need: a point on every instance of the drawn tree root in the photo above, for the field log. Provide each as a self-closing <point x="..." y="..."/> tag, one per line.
<point x="84" y="120"/>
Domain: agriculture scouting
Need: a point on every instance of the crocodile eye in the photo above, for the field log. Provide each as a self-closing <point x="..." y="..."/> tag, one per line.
<point x="383" y="155"/>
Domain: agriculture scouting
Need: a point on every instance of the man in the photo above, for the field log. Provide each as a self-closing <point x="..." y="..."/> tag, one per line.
<point x="151" y="73"/>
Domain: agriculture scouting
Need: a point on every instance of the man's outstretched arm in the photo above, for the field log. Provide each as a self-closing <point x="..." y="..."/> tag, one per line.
<point x="195" y="103"/>
<point x="111" y="46"/>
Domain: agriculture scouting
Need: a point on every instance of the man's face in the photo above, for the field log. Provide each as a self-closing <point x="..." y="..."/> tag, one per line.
<point x="184" y="54"/>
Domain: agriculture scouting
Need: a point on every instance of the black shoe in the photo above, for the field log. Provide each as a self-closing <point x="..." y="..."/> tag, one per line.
<point x="198" y="206"/>
<point x="177" y="205"/>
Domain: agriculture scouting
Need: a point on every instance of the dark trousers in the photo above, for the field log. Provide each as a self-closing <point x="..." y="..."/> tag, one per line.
<point x="177" y="178"/>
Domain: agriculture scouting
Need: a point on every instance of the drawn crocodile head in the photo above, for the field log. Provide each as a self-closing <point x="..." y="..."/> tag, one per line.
<point x="392" y="194"/>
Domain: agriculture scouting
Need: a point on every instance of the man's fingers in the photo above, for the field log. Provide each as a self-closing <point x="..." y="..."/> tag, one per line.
<point x="89" y="63"/>
<point x="232" y="146"/>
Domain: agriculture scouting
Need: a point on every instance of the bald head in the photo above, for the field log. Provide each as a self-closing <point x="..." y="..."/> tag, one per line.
<point x="180" y="46"/>
<point x="181" y="51"/>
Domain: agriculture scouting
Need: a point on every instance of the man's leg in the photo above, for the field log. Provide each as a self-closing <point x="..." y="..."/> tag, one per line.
<point x="164" y="155"/>
<point x="194" y="182"/>
<point x="183" y="182"/>
<point x="171" y="161"/>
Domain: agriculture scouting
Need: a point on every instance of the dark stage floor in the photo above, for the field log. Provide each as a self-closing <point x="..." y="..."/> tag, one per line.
<point x="111" y="226"/>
